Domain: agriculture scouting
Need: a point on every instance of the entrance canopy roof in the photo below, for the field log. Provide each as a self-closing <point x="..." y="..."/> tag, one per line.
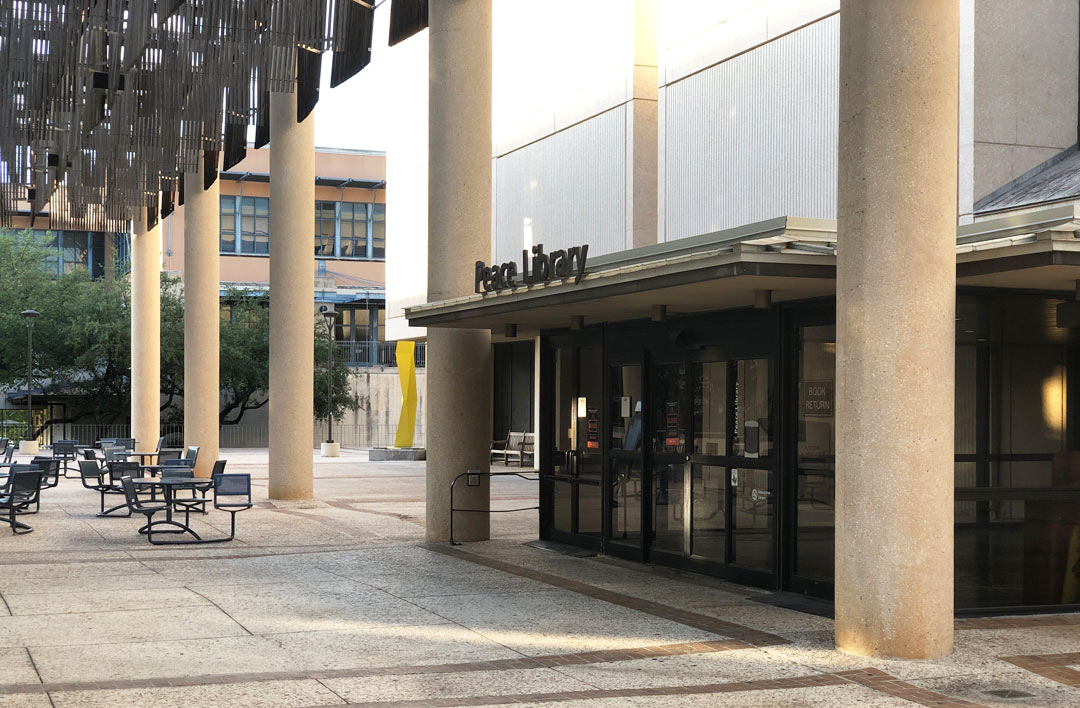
<point x="793" y="258"/>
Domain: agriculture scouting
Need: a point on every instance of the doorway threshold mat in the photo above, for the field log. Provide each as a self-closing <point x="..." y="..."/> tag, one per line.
<point x="561" y="548"/>
<point x="799" y="603"/>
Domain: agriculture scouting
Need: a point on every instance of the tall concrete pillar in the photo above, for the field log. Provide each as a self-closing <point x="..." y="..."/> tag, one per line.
<point x="459" y="363"/>
<point x="292" y="298"/>
<point x="145" y="333"/>
<point x="642" y="130"/>
<point x="896" y="291"/>
<point x="202" y="319"/>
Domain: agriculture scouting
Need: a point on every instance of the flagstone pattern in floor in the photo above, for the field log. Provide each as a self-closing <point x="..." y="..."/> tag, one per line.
<point x="339" y="601"/>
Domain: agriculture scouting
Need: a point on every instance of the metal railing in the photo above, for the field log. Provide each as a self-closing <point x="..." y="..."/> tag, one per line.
<point x="375" y="353"/>
<point x="473" y="478"/>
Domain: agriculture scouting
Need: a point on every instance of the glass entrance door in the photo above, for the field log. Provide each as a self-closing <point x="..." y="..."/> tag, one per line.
<point x="712" y="464"/>
<point x="572" y="473"/>
<point x="626" y="411"/>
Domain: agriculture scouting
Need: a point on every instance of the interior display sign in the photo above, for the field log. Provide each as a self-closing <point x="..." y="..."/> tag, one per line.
<point x="592" y="430"/>
<point x="672" y="438"/>
<point x="540" y="268"/>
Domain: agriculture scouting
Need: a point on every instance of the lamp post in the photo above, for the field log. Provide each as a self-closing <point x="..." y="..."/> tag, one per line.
<point x="330" y="448"/>
<point x="29" y="445"/>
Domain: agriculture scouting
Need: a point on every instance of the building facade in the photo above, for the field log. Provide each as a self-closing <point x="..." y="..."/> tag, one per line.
<point x="686" y="388"/>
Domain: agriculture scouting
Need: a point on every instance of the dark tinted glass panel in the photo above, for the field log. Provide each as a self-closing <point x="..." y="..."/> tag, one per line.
<point x="710" y="408"/>
<point x="668" y="507"/>
<point x="626" y="409"/>
<point x="626" y="501"/>
<point x="669" y="419"/>
<point x="708" y="539"/>
<point x="815" y="470"/>
<point x="755" y="517"/>
<point x="753" y="403"/>
<point x="228" y="224"/>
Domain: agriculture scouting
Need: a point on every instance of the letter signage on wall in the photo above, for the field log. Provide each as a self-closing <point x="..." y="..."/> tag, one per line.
<point x="540" y="268"/>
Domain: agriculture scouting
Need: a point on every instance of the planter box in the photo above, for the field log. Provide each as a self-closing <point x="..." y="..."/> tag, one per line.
<point x="397" y="454"/>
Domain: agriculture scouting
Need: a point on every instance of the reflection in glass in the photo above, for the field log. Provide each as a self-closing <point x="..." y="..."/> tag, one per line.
<point x="626" y="501"/>
<point x="710" y="414"/>
<point x="707" y="526"/>
<point x="561" y="506"/>
<point x="815" y="473"/>
<point x="668" y="508"/>
<point x="754" y="515"/>
<point x="625" y="409"/>
<point x="753" y="402"/>
<point x="669" y="422"/>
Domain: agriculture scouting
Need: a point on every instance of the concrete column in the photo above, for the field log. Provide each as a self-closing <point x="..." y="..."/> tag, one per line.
<point x="459" y="363"/>
<point x="896" y="291"/>
<point x="642" y="131"/>
<point x="292" y="298"/>
<point x="145" y="333"/>
<point x="202" y="319"/>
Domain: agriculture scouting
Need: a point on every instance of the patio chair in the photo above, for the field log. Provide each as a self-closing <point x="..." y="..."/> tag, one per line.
<point x="137" y="505"/>
<point x="9" y="452"/>
<point x="126" y="443"/>
<point x="64" y="451"/>
<point x="93" y="478"/>
<point x="167" y="454"/>
<point x="50" y="470"/>
<point x="117" y="470"/>
<point x="232" y="493"/>
<point x="23" y="488"/>
<point x="185" y="504"/>
<point x="191" y="454"/>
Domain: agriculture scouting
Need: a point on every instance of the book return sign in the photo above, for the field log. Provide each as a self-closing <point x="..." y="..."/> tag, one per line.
<point x="817" y="398"/>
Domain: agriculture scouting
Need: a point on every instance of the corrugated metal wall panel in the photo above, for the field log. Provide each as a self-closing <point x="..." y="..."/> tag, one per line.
<point x="571" y="186"/>
<point x="754" y="137"/>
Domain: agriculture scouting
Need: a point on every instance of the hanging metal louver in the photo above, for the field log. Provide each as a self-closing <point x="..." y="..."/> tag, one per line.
<point x="109" y="102"/>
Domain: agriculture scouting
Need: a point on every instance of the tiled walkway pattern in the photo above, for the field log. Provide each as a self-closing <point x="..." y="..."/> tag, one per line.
<point x="339" y="602"/>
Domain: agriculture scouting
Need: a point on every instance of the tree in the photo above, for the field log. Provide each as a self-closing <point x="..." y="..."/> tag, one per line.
<point x="82" y="336"/>
<point x="245" y="355"/>
<point x="343" y="399"/>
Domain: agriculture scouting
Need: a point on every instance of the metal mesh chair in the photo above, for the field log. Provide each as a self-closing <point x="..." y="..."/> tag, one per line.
<point x="10" y="452"/>
<point x="126" y="443"/>
<point x="50" y="475"/>
<point x="64" y="450"/>
<point x="184" y="504"/>
<point x="165" y="455"/>
<point x="22" y="489"/>
<point x="137" y="505"/>
<point x="117" y="470"/>
<point x="232" y="493"/>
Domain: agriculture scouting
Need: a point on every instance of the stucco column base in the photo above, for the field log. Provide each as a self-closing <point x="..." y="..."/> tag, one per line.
<point x="459" y="431"/>
<point x="895" y="322"/>
<point x="292" y="299"/>
<point x="202" y="319"/>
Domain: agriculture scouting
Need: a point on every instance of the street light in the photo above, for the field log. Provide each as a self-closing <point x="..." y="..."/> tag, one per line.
<point x="330" y="314"/>
<point x="29" y="316"/>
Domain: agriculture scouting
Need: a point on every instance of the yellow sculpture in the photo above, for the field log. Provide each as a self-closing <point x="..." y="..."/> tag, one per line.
<point x="407" y="374"/>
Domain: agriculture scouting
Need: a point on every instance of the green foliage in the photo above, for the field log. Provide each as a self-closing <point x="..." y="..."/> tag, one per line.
<point x="82" y="341"/>
<point x="343" y="400"/>
<point x="82" y="334"/>
<point x="245" y="355"/>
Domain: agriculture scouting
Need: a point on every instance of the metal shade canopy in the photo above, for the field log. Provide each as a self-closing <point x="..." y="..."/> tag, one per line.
<point x="107" y="103"/>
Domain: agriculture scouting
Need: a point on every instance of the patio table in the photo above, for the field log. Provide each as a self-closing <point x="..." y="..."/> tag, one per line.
<point x="168" y="486"/>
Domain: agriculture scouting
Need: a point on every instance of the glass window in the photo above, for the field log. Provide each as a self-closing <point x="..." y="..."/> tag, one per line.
<point x="76" y="250"/>
<point x="353" y="230"/>
<point x="97" y="254"/>
<point x="669" y="420"/>
<point x="324" y="229"/>
<point x="710" y="414"/>
<point x="378" y="231"/>
<point x="254" y="225"/>
<point x="626" y="408"/>
<point x="753" y="399"/>
<point x="707" y="499"/>
<point x="228" y="224"/>
<point x="816" y="476"/>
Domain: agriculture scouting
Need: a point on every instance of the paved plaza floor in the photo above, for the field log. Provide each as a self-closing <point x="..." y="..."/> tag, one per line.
<point x="339" y="601"/>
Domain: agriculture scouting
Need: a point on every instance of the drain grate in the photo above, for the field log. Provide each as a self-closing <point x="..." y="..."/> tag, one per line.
<point x="1009" y="693"/>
